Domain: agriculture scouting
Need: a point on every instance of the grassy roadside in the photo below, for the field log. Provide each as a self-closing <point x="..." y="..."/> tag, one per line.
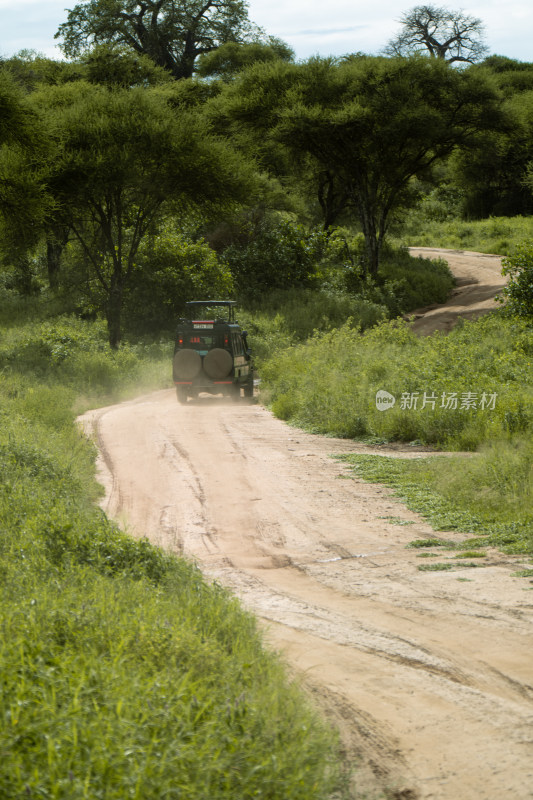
<point x="469" y="390"/>
<point x="488" y="496"/>
<point x="122" y="673"/>
<point x="497" y="235"/>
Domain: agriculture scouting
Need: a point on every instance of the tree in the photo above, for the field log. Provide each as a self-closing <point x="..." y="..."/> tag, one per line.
<point x="30" y="69"/>
<point x="173" y="33"/>
<point x="232" y="57"/>
<point x="449" y="35"/>
<point x="121" y="157"/>
<point x="23" y="200"/>
<point x="372" y="124"/>
<point x="493" y="177"/>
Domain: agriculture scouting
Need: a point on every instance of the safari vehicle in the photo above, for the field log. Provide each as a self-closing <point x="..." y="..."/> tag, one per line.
<point x="211" y="353"/>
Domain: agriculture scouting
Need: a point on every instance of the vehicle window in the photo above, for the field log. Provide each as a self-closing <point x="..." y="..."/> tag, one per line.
<point x="237" y="344"/>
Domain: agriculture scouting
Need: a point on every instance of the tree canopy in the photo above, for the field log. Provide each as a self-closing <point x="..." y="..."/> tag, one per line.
<point x="23" y="203"/>
<point x="120" y="157"/>
<point x="371" y="124"/>
<point x="232" y="57"/>
<point x="173" y="33"/>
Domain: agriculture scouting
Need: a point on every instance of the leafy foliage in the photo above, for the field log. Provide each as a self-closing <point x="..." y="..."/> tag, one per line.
<point x="171" y="270"/>
<point x="23" y="204"/>
<point x="372" y="123"/>
<point x="232" y="57"/>
<point x="120" y="158"/>
<point x="276" y="255"/>
<point x="519" y="290"/>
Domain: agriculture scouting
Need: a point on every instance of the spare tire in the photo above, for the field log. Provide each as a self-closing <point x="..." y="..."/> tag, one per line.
<point x="218" y="364"/>
<point x="187" y="364"/>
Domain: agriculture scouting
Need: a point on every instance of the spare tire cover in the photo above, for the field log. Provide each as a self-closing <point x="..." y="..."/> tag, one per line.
<point x="218" y="364"/>
<point x="187" y="365"/>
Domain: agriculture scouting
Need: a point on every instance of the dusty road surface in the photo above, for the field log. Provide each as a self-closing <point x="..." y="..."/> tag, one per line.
<point x="428" y="675"/>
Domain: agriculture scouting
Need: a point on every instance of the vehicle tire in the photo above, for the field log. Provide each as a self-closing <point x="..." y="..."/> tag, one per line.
<point x="186" y="365"/>
<point x="218" y="364"/>
<point x="181" y="394"/>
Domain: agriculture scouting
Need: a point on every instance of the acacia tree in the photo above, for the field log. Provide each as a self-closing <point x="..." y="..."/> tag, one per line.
<point x="232" y="57"/>
<point x="376" y="124"/>
<point x="121" y="158"/>
<point x="370" y="124"/>
<point x="449" y="35"/>
<point x="173" y="33"/>
<point x="23" y="201"/>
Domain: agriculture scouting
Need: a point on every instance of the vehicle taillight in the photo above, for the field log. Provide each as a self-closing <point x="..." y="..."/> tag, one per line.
<point x="226" y="341"/>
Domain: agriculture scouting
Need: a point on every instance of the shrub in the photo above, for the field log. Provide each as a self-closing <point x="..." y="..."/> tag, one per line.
<point x="329" y="383"/>
<point x="519" y="290"/>
<point x="277" y="255"/>
<point x="285" y="317"/>
<point x="172" y="270"/>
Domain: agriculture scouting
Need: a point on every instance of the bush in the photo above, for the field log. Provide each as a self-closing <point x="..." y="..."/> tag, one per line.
<point x="285" y="317"/>
<point x="76" y="352"/>
<point x="519" y="291"/>
<point x="172" y="270"/>
<point x="329" y="383"/>
<point x="404" y="282"/>
<point x="277" y="255"/>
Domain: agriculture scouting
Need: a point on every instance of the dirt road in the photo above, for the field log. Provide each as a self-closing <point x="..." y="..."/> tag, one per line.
<point x="479" y="279"/>
<point x="429" y="676"/>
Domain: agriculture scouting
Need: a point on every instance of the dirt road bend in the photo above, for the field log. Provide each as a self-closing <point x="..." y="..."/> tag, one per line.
<point x="428" y="675"/>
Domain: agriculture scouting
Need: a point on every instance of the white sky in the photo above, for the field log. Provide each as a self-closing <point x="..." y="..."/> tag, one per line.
<point x="324" y="27"/>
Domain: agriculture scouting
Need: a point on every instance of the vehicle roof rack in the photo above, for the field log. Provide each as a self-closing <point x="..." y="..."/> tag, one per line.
<point x="229" y="304"/>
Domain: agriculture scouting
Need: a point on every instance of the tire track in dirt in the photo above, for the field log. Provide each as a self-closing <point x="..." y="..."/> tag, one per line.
<point x="439" y="670"/>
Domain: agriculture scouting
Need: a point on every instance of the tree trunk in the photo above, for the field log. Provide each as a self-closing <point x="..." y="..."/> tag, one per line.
<point x="331" y="200"/>
<point x="55" y="244"/>
<point x="114" y="315"/>
<point x="53" y="261"/>
<point x="373" y="241"/>
<point x="372" y="254"/>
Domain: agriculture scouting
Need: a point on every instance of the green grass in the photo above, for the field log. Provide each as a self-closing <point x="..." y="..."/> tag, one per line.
<point x="283" y="318"/>
<point x="498" y="235"/>
<point x="487" y="496"/>
<point x="469" y="390"/>
<point x="123" y="674"/>
<point x="419" y="543"/>
<point x="287" y="317"/>
<point x="329" y="383"/>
